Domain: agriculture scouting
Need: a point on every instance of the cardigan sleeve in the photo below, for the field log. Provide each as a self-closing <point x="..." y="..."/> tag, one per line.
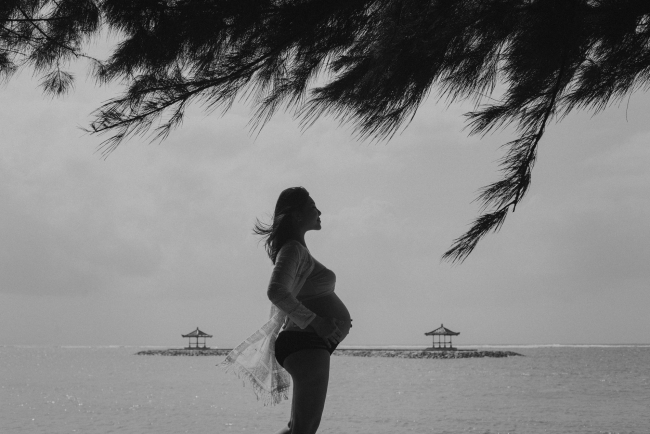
<point x="283" y="280"/>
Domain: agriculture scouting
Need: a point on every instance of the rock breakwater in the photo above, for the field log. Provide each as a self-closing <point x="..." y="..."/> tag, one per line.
<point x="185" y="352"/>
<point x="420" y="354"/>
<point x="403" y="354"/>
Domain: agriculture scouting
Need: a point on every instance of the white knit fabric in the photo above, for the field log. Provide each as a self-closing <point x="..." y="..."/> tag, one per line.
<point x="254" y="359"/>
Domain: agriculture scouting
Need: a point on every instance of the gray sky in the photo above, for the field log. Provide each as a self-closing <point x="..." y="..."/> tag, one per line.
<point x="156" y="240"/>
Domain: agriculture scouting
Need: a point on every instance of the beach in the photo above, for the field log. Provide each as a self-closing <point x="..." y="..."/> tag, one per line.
<point x="552" y="389"/>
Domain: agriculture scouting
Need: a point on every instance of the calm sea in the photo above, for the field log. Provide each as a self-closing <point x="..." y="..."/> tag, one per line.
<point x="553" y="389"/>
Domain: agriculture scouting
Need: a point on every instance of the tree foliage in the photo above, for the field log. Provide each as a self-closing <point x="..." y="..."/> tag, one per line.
<point x="370" y="63"/>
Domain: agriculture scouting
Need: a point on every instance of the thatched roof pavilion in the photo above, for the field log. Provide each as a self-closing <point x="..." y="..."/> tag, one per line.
<point x="442" y="332"/>
<point x="196" y="334"/>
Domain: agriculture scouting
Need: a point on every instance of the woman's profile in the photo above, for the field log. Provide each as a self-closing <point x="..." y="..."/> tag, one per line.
<point x="308" y="320"/>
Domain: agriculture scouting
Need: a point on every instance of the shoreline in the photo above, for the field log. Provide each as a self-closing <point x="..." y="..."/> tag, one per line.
<point x="398" y="353"/>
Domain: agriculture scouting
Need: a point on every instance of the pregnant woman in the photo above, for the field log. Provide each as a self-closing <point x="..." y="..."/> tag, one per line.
<point x="308" y="320"/>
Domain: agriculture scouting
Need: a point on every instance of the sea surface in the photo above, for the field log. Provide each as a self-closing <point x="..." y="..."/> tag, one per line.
<point x="552" y="389"/>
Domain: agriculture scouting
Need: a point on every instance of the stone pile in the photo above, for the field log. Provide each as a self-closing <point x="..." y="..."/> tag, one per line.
<point x="185" y="352"/>
<point x="417" y="354"/>
<point x="403" y="354"/>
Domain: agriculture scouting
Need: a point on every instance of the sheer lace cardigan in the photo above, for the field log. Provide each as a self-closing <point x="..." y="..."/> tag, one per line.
<point x="254" y="359"/>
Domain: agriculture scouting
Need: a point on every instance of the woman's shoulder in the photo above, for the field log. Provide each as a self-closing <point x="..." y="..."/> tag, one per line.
<point x="294" y="245"/>
<point x="294" y="248"/>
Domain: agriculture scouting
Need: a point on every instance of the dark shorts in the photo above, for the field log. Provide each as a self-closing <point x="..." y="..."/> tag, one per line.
<point x="289" y="342"/>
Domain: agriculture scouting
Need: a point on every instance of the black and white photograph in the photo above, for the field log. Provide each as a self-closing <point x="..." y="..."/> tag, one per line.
<point x="342" y="216"/>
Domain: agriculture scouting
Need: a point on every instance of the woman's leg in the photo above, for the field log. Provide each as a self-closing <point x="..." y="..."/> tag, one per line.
<point x="285" y="430"/>
<point x="310" y="370"/>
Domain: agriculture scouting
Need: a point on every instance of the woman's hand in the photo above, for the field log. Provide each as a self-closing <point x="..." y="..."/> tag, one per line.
<point x="327" y="329"/>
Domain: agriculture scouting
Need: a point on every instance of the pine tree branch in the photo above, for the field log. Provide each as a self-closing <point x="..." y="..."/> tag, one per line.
<point x="510" y="191"/>
<point x="380" y="60"/>
<point x="465" y="244"/>
<point x="45" y="35"/>
<point x="30" y="20"/>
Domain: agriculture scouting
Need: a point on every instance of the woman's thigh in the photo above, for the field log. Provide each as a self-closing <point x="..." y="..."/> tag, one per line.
<point x="309" y="371"/>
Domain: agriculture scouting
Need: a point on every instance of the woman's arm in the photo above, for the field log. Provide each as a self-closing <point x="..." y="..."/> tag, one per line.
<point x="283" y="279"/>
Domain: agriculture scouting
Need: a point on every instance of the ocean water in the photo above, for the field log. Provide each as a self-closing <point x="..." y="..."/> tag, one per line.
<point x="553" y="389"/>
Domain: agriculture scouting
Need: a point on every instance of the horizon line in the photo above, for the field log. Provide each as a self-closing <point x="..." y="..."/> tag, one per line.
<point x="361" y="346"/>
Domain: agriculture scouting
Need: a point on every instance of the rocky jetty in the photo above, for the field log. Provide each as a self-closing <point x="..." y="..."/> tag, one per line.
<point x="185" y="352"/>
<point x="424" y="354"/>
<point x="404" y="354"/>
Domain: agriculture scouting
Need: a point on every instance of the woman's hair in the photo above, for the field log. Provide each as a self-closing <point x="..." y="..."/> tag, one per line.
<point x="278" y="232"/>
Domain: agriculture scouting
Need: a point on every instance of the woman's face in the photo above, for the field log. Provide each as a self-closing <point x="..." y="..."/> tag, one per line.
<point x="310" y="216"/>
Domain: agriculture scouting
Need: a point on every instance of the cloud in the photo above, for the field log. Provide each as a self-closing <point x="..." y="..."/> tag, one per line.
<point x="60" y="235"/>
<point x="157" y="238"/>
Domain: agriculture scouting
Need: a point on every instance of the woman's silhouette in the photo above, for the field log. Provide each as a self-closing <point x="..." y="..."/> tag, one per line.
<point x="308" y="320"/>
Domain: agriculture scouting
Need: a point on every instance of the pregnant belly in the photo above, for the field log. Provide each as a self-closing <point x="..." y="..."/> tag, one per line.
<point x="330" y="306"/>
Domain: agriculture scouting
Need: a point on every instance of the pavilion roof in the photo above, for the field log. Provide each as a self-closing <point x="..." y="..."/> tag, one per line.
<point x="442" y="330"/>
<point x="197" y="334"/>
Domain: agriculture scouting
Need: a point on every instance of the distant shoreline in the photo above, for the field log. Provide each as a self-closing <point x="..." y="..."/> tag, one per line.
<point x="371" y="352"/>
